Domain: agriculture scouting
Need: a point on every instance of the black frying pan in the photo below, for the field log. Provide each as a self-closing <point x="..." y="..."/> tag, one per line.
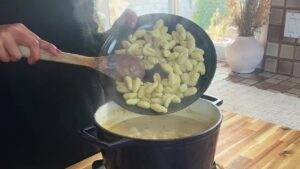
<point x="113" y="42"/>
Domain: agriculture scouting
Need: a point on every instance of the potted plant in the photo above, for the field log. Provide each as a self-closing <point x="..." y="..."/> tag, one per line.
<point x="246" y="53"/>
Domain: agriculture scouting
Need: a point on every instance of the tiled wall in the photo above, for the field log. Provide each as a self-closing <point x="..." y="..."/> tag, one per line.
<point x="282" y="55"/>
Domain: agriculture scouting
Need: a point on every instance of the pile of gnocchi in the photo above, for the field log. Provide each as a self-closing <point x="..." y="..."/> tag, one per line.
<point x="177" y="55"/>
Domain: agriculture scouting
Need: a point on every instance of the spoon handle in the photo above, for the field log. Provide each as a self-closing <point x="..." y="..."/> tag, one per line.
<point x="107" y="65"/>
<point x="64" y="57"/>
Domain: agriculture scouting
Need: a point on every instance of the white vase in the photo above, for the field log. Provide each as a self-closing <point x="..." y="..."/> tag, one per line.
<point x="244" y="54"/>
<point x="221" y="47"/>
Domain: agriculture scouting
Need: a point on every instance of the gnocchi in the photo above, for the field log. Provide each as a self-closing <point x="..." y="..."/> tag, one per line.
<point x="121" y="87"/>
<point x="132" y="101"/>
<point x="159" y="108"/>
<point x="130" y="96"/>
<point x="128" y="81"/>
<point x="126" y="44"/>
<point x="160" y="88"/>
<point x="136" y="84"/>
<point x="143" y="104"/>
<point x="178" y="56"/>
<point x="166" y="67"/>
<point x="190" y="91"/>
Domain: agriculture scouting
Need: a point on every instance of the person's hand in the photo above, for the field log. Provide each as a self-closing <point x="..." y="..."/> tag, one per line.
<point x="130" y="18"/>
<point x="127" y="19"/>
<point x="12" y="35"/>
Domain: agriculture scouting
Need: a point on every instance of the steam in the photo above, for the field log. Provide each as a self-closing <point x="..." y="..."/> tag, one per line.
<point x="85" y="16"/>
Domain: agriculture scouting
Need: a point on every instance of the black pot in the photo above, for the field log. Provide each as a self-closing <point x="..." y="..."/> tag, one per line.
<point x="121" y="151"/>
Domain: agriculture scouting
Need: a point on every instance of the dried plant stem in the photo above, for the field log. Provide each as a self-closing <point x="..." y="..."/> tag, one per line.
<point x="249" y="15"/>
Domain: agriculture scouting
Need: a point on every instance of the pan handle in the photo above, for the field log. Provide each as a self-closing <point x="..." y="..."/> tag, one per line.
<point x="90" y="133"/>
<point x="214" y="100"/>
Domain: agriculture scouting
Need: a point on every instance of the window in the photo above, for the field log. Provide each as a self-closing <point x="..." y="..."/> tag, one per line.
<point x="211" y="15"/>
<point x="109" y="10"/>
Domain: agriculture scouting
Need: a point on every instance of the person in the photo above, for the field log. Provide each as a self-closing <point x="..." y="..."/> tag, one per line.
<point x="44" y="104"/>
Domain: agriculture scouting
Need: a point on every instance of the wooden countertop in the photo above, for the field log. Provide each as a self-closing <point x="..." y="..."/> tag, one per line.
<point x="246" y="143"/>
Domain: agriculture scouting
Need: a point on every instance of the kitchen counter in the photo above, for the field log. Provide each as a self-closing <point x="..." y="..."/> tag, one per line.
<point x="86" y="163"/>
<point x="246" y="142"/>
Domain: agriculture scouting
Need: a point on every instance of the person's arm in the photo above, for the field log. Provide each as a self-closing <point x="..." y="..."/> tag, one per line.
<point x="13" y="35"/>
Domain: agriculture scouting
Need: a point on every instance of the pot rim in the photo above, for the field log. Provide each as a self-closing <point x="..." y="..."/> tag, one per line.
<point x="202" y="134"/>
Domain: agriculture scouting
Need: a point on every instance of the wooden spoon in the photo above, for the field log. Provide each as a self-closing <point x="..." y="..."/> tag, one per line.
<point x="114" y="66"/>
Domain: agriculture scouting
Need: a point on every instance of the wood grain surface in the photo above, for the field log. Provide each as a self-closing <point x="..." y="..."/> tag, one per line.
<point x="248" y="143"/>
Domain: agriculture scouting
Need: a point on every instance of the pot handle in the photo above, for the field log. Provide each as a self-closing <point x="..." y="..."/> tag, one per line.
<point x="89" y="134"/>
<point x="214" y="100"/>
<point x="98" y="164"/>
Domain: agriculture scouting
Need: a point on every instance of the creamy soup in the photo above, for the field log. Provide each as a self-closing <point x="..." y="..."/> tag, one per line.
<point x="159" y="127"/>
